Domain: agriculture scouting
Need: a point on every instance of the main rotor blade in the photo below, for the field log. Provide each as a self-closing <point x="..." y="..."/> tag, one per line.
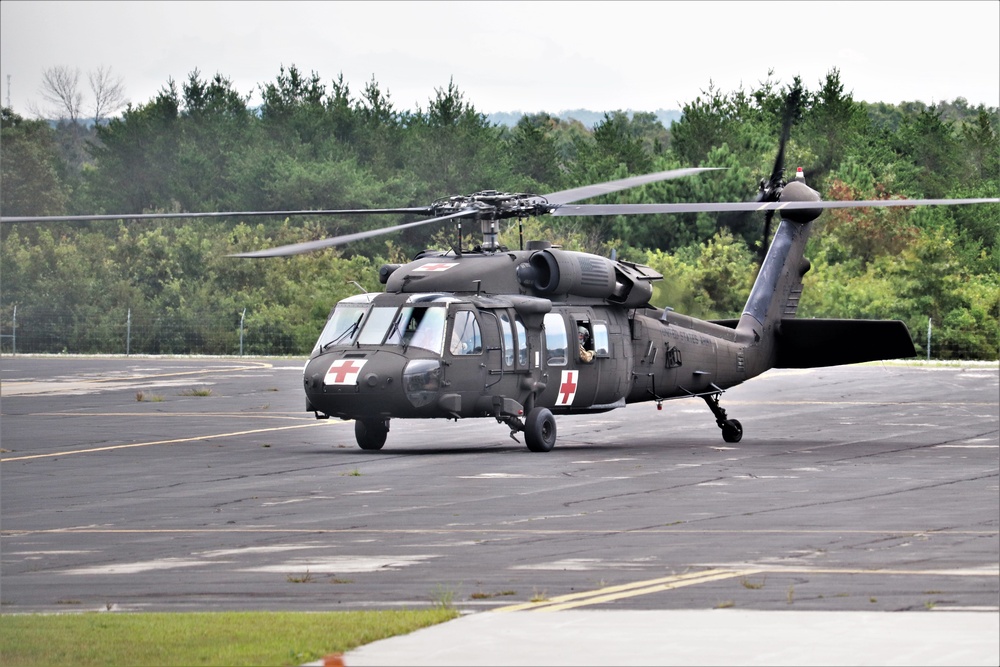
<point x="643" y="209"/>
<point x="214" y="214"/>
<point x="310" y="246"/>
<point x="588" y="191"/>
<point x="791" y="104"/>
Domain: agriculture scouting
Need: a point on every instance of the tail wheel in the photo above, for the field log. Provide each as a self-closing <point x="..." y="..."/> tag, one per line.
<point x="371" y="434"/>
<point x="540" y="430"/>
<point x="732" y="430"/>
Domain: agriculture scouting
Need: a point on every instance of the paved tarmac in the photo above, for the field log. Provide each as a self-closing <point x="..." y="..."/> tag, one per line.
<point x="693" y="637"/>
<point x="861" y="507"/>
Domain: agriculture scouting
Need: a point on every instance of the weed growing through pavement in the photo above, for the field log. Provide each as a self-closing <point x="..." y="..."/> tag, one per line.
<point x="443" y="597"/>
<point x="306" y="578"/>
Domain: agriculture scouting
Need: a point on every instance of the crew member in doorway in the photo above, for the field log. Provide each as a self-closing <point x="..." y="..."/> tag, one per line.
<point x="586" y="356"/>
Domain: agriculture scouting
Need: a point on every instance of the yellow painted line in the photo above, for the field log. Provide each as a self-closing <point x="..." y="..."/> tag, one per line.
<point x="659" y="588"/>
<point x="250" y="414"/>
<point x="625" y="590"/>
<point x="635" y="589"/>
<point x="157" y="442"/>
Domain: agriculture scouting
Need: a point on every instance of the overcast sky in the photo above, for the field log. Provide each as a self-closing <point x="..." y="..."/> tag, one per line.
<point x="515" y="56"/>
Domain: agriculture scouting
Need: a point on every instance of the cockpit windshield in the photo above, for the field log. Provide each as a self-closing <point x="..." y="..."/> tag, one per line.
<point x="418" y="323"/>
<point x="344" y="321"/>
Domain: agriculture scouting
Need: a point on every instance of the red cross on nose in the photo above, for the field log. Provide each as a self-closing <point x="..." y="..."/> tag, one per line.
<point x="340" y="370"/>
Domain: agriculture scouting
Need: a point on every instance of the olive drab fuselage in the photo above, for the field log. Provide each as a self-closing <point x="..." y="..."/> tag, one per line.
<point x="498" y="333"/>
<point x="426" y="349"/>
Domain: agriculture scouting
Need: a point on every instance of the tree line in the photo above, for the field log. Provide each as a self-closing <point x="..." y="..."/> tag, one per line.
<point x="200" y="146"/>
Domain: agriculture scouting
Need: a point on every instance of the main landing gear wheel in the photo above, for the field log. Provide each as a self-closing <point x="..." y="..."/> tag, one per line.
<point x="540" y="430"/>
<point x="371" y="434"/>
<point x="732" y="430"/>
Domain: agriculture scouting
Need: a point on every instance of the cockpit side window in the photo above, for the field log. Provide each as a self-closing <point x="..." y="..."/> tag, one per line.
<point x="522" y="342"/>
<point x="466" y="336"/>
<point x="508" y="340"/>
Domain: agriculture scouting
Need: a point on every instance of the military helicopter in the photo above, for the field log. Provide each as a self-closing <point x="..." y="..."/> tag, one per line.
<point x="523" y="336"/>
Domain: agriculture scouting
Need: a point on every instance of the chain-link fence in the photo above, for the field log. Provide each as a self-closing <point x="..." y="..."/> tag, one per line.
<point x="130" y="333"/>
<point x="52" y="333"/>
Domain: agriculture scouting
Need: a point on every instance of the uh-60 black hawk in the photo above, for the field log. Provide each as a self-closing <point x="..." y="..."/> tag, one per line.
<point x="526" y="335"/>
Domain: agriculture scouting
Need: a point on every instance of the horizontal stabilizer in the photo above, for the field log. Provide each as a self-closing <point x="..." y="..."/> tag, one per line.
<point x="809" y="343"/>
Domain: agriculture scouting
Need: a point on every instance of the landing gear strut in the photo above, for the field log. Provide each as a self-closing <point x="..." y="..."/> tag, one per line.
<point x="732" y="430"/>
<point x="539" y="429"/>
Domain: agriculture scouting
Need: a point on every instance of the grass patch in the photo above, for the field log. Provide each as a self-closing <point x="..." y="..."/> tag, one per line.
<point x="227" y="638"/>
<point x="197" y="391"/>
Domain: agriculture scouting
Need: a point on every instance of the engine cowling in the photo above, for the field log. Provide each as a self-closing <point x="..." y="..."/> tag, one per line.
<point x="553" y="272"/>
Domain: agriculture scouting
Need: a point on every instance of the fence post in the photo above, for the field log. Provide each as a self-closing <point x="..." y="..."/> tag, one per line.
<point x="928" y="339"/>
<point x="241" y="330"/>
<point x="128" y="333"/>
<point x="13" y="334"/>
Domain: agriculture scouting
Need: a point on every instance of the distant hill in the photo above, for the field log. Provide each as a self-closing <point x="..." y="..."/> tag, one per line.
<point x="585" y="116"/>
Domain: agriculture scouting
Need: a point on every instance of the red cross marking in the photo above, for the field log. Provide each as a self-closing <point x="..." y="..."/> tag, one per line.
<point x="567" y="390"/>
<point x="434" y="267"/>
<point x="343" y="371"/>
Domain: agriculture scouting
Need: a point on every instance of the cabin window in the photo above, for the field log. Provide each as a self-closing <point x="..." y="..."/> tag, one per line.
<point x="601" y="346"/>
<point x="466" y="337"/>
<point x="555" y="340"/>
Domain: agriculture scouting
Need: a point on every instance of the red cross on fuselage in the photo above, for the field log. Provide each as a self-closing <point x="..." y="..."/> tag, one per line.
<point x="341" y="369"/>
<point x="434" y="267"/>
<point x="567" y="388"/>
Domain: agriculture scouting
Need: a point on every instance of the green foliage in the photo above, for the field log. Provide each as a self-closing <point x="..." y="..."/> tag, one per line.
<point x="313" y="144"/>
<point x="30" y="169"/>
<point x="710" y="281"/>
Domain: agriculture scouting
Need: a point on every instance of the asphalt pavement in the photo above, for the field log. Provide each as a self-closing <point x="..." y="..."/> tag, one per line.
<point x="855" y="523"/>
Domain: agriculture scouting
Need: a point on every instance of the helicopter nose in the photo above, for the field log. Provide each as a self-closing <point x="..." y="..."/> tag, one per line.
<point x="371" y="384"/>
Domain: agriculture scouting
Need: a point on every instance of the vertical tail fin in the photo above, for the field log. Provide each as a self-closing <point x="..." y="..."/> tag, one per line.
<point x="776" y="290"/>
